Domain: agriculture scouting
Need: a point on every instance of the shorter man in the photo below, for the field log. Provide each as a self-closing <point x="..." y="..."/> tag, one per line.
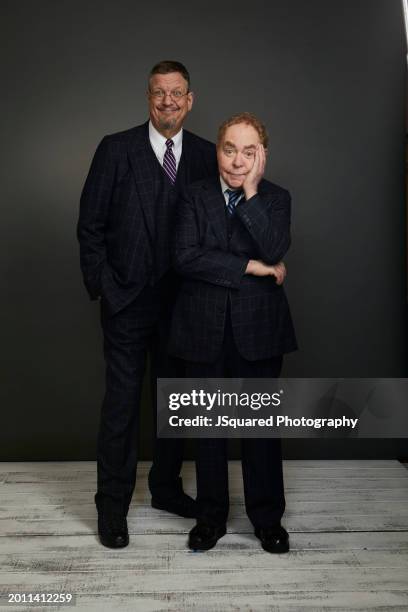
<point x="232" y="317"/>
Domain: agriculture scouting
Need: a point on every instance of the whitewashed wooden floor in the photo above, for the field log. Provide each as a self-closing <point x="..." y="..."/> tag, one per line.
<point x="347" y="520"/>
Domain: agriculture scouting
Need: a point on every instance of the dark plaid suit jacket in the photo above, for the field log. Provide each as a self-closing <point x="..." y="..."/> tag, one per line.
<point x="212" y="263"/>
<point x="116" y="228"/>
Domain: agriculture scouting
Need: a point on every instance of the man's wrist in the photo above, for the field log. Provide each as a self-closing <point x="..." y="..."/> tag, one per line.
<point x="250" y="266"/>
<point x="250" y="192"/>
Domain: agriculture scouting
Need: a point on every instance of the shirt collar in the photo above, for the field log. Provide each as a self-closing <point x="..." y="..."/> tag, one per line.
<point x="224" y="186"/>
<point x="160" y="141"/>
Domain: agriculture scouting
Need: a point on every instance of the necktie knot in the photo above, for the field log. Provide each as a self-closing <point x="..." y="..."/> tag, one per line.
<point x="233" y="197"/>
<point x="169" y="143"/>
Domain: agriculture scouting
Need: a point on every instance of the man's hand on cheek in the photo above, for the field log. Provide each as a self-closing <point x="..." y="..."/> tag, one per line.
<point x="252" y="179"/>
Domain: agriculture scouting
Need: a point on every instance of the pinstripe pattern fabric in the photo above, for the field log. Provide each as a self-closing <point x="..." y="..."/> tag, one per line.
<point x="169" y="161"/>
<point x="213" y="268"/>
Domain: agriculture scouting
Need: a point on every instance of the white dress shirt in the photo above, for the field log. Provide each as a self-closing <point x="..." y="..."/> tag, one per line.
<point x="158" y="143"/>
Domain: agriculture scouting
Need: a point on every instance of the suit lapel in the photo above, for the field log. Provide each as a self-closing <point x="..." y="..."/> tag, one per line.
<point x="237" y="227"/>
<point x="214" y="205"/>
<point x="184" y="167"/>
<point x="144" y="167"/>
<point x="194" y="163"/>
<point x="183" y="171"/>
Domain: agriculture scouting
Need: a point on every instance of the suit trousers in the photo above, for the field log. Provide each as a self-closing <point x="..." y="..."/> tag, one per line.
<point x="128" y="335"/>
<point x="261" y="457"/>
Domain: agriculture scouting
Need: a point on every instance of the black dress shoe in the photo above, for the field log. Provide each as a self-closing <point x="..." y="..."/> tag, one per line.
<point x="204" y="536"/>
<point x="113" y="530"/>
<point x="182" y="505"/>
<point x="273" y="539"/>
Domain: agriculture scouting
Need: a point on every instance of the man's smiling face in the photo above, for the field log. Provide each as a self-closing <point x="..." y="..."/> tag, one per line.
<point x="168" y="111"/>
<point x="236" y="153"/>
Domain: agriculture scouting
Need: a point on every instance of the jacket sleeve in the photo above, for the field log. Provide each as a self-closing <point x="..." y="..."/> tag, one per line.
<point x="93" y="213"/>
<point x="194" y="260"/>
<point x="267" y="219"/>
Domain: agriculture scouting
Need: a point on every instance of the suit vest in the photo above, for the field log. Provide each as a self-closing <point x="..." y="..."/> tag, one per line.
<point x="165" y="202"/>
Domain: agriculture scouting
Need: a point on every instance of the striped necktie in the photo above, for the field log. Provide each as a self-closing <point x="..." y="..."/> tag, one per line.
<point x="233" y="197"/>
<point x="169" y="161"/>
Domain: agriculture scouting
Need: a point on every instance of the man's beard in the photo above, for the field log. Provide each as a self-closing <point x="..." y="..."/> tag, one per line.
<point x="167" y="124"/>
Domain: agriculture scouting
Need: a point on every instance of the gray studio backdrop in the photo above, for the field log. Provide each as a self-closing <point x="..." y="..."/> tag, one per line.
<point x="328" y="79"/>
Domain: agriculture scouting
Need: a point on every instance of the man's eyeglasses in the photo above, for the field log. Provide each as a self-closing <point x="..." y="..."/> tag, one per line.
<point x="175" y="94"/>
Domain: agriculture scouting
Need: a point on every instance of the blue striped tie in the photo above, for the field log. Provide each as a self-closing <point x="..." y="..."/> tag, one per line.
<point x="233" y="197"/>
<point x="169" y="161"/>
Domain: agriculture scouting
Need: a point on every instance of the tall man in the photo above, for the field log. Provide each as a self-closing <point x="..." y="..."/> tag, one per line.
<point x="124" y="228"/>
<point x="232" y="317"/>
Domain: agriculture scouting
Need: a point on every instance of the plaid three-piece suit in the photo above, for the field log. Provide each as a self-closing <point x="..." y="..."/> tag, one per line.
<point x="229" y="323"/>
<point x="211" y="252"/>
<point x="124" y="229"/>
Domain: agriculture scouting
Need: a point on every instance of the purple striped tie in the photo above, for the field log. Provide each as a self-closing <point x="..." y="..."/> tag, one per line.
<point x="169" y="161"/>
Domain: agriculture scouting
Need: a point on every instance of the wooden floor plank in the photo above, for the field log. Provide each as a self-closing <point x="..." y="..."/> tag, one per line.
<point x="44" y="497"/>
<point x="344" y="464"/>
<point x="348" y="525"/>
<point x="314" y="474"/>
<point x="223" y="559"/>
<point x="291" y="484"/>
<point x="168" y="524"/>
<point x="296" y="511"/>
<point x="239" y="581"/>
<point x="267" y="601"/>
<point x="331" y="542"/>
